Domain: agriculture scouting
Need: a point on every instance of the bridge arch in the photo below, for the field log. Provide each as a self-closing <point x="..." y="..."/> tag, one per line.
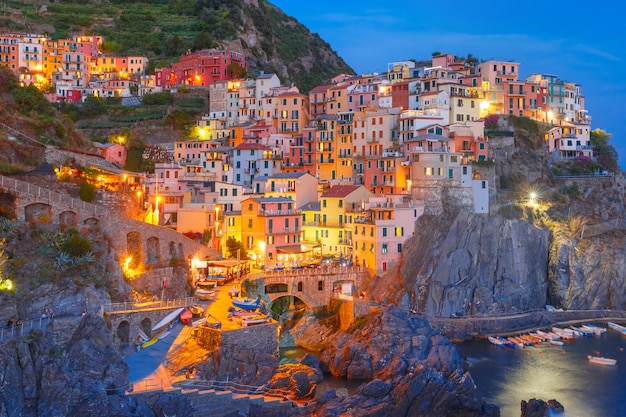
<point x="8" y="206"/>
<point x="68" y="220"/>
<point x="146" y="326"/>
<point x="92" y="223"/>
<point x="38" y="213"/>
<point x="123" y="332"/>
<point x="154" y="254"/>
<point x="285" y="302"/>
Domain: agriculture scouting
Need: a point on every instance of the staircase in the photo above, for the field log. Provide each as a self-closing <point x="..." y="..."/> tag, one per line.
<point x="219" y="402"/>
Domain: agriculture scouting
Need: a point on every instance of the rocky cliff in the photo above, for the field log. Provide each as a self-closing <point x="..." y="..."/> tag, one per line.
<point x="468" y="264"/>
<point x="409" y="369"/>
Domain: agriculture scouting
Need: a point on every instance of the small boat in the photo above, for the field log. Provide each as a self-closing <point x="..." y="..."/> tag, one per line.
<point x="516" y="341"/>
<point x="196" y="310"/>
<point x="547" y="335"/>
<point x="246" y="303"/>
<point x="168" y="319"/>
<point x="506" y="342"/>
<point x="254" y="320"/>
<point x="186" y="317"/>
<point x="207" y="284"/>
<point x="602" y="361"/>
<point x="495" y="341"/>
<point x="205" y="295"/>
<point x="555" y="342"/>
<point x="597" y="330"/>
<point x="154" y="339"/>
<point x="617" y="327"/>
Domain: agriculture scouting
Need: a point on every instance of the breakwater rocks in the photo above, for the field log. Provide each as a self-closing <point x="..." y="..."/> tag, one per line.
<point x="411" y="369"/>
<point x="540" y="408"/>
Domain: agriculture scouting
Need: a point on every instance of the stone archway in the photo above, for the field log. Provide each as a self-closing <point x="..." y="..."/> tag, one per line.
<point x="133" y="248"/>
<point x="92" y="224"/>
<point x="146" y="326"/>
<point x="38" y="213"/>
<point x="68" y="220"/>
<point x="154" y="253"/>
<point x="123" y="332"/>
<point x="287" y="302"/>
<point x="8" y="206"/>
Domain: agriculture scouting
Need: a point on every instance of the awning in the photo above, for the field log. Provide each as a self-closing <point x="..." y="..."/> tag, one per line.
<point x="299" y="248"/>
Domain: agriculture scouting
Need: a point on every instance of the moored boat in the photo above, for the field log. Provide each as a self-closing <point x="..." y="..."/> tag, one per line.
<point x="246" y="303"/>
<point x="601" y="360"/>
<point x="597" y="330"/>
<point x="555" y="342"/>
<point x="617" y="327"/>
<point x="495" y="341"/>
<point x="204" y="295"/>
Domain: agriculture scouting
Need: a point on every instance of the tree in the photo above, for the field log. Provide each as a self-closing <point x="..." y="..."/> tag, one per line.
<point x="603" y="151"/>
<point x="178" y="119"/>
<point x="233" y="246"/>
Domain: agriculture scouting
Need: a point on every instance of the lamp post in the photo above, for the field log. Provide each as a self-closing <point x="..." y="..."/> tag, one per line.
<point x="156" y="212"/>
<point x="217" y="226"/>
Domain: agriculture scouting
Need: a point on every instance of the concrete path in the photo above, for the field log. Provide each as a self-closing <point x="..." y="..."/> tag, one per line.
<point x="147" y="371"/>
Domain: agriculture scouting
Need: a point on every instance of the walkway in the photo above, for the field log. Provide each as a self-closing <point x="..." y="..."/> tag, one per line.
<point x="146" y="369"/>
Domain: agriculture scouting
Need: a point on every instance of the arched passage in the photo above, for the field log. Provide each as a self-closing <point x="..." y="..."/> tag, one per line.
<point x="38" y="213"/>
<point x="133" y="248"/>
<point x="123" y="332"/>
<point x="154" y="255"/>
<point x="146" y="326"/>
<point x="68" y="220"/>
<point x="287" y="302"/>
<point x="8" y="206"/>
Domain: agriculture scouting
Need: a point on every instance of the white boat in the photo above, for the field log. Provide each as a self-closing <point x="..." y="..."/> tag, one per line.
<point x="617" y="327"/>
<point x="204" y="295"/>
<point x="555" y="342"/>
<point x="602" y="361"/>
<point x="547" y="335"/>
<point x="495" y="341"/>
<point x="597" y="330"/>
<point x="168" y="319"/>
<point x="254" y="320"/>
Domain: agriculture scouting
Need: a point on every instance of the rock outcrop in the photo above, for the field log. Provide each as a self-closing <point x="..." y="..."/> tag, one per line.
<point x="540" y="408"/>
<point x="469" y="264"/>
<point x="410" y="369"/>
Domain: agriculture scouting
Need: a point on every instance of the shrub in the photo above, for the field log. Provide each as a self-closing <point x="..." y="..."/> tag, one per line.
<point x="87" y="192"/>
<point x="75" y="245"/>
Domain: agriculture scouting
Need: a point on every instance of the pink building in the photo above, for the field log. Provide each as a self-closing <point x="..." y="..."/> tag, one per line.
<point x="113" y="152"/>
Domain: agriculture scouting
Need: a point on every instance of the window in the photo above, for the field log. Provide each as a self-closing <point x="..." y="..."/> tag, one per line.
<point x="324" y="203"/>
<point x="249" y="223"/>
<point x="399" y="231"/>
<point x="320" y="285"/>
<point x="384" y="231"/>
<point x="428" y="171"/>
<point x="399" y="247"/>
<point x="384" y="249"/>
<point x="300" y="286"/>
<point x="231" y="221"/>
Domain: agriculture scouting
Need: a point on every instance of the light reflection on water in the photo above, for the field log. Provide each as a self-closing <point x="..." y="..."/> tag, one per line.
<point x="506" y="376"/>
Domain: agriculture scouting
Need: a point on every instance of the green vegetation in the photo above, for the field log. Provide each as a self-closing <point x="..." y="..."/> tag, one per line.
<point x="87" y="192"/>
<point x="605" y="152"/>
<point x="163" y="30"/>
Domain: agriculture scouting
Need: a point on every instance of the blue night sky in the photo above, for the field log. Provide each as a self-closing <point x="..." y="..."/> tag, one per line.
<point x="576" y="41"/>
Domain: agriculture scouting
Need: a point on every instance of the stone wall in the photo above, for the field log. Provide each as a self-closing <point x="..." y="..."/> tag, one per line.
<point x="248" y="355"/>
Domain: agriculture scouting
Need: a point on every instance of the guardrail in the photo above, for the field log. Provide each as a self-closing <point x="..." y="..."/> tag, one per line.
<point x="23" y="329"/>
<point x="135" y="306"/>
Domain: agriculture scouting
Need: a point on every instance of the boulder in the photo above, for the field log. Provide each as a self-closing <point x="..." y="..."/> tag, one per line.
<point x="540" y="408"/>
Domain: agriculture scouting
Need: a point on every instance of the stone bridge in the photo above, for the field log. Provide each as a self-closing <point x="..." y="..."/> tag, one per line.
<point x="128" y="320"/>
<point x="153" y="246"/>
<point x="315" y="287"/>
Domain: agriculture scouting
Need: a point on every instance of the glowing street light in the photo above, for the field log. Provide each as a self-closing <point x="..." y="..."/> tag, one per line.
<point x="532" y="198"/>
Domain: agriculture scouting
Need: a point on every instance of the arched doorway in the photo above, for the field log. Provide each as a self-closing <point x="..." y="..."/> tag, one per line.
<point x="154" y="255"/>
<point x="146" y="326"/>
<point x="38" y="213"/>
<point x="123" y="332"/>
<point x="8" y="206"/>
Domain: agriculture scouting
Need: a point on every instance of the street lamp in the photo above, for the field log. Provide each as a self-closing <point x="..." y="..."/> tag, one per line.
<point x="156" y="211"/>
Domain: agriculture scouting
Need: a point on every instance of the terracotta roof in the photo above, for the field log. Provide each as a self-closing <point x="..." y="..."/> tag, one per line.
<point x="251" y="146"/>
<point x="339" y="191"/>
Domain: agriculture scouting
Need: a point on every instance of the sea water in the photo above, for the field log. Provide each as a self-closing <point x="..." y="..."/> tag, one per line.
<point x="505" y="376"/>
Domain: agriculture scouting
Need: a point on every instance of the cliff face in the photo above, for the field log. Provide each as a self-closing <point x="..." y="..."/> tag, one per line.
<point x="476" y="265"/>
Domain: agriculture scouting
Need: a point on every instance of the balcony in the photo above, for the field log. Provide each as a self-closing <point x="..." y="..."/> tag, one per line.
<point x="272" y="213"/>
<point x="283" y="231"/>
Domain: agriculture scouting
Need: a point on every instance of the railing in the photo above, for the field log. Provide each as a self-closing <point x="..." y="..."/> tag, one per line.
<point x="278" y="212"/>
<point x="134" y="306"/>
<point x="283" y="230"/>
<point x="52" y="196"/>
<point x="13" y="332"/>
<point x="314" y="271"/>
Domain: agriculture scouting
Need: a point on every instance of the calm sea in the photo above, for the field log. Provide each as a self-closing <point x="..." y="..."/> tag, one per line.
<point x="506" y="376"/>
